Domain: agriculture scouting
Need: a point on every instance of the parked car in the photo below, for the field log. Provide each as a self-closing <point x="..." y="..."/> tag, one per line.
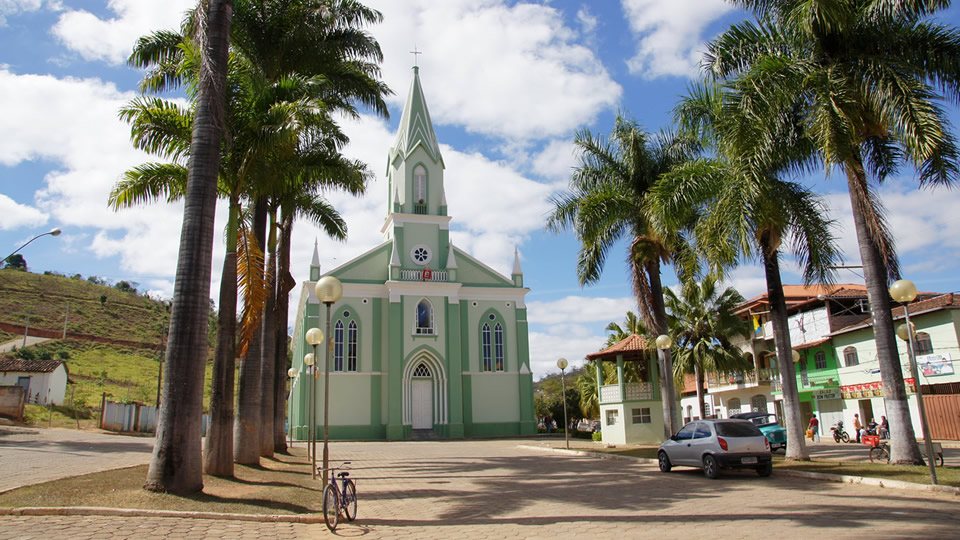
<point x="717" y="444"/>
<point x="767" y="422"/>
<point x="591" y="426"/>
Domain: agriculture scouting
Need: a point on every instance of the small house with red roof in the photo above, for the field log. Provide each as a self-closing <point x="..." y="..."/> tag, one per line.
<point x="44" y="381"/>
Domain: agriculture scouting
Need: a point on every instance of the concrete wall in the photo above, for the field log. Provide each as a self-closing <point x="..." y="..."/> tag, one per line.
<point x="12" y="400"/>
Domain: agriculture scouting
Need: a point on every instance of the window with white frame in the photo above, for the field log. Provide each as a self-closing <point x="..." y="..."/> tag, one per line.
<point x="850" y="356"/>
<point x="820" y="360"/>
<point x="641" y="416"/>
<point x="352" y="339"/>
<point x="612" y="415"/>
<point x="424" y="318"/>
<point x="759" y="403"/>
<point x="487" y="348"/>
<point x="420" y="185"/>
<point x="733" y="407"/>
<point x="338" y="346"/>
<point x="498" y="346"/>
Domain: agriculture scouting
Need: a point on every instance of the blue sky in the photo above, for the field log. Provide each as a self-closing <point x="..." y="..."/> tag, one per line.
<point x="507" y="83"/>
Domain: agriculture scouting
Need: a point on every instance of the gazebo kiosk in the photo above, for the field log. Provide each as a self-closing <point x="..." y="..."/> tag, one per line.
<point x="631" y="413"/>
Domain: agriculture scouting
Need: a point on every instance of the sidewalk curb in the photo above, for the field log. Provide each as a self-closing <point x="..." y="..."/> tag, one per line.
<point x="838" y="478"/>
<point x="133" y="512"/>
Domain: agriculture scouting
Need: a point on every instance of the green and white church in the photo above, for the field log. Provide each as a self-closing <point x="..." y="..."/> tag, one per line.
<point x="427" y="340"/>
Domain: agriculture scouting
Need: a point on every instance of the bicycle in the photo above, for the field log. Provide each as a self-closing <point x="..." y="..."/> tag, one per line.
<point x="337" y="500"/>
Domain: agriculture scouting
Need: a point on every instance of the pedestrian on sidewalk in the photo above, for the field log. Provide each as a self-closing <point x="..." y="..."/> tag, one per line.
<point x="814" y="427"/>
<point x="857" y="426"/>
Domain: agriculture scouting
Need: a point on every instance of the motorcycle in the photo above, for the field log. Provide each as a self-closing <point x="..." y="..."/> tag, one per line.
<point x="839" y="434"/>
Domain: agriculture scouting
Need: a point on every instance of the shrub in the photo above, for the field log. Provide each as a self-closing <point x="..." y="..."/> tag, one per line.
<point x="597" y="436"/>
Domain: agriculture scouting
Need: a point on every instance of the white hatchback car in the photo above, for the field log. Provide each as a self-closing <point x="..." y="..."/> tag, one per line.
<point x="717" y="444"/>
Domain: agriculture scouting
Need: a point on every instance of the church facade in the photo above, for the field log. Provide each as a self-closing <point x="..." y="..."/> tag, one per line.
<point x="427" y="340"/>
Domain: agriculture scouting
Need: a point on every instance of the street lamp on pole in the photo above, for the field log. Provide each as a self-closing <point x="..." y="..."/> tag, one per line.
<point x="664" y="342"/>
<point x="904" y="291"/>
<point x="314" y="337"/>
<point x="52" y="232"/>
<point x="292" y="375"/>
<point x="329" y="291"/>
<point x="562" y="364"/>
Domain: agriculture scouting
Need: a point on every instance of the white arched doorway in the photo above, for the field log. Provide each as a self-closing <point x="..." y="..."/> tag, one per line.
<point x="424" y="392"/>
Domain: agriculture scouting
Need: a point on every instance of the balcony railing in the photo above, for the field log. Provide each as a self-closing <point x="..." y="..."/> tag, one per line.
<point x="417" y="275"/>
<point x="643" y="391"/>
<point x="420" y="209"/>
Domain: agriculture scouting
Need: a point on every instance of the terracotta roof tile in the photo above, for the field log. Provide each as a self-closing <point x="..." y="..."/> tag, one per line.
<point x="29" y="366"/>
<point x="943" y="301"/>
<point x="795" y="294"/>
<point x="629" y="346"/>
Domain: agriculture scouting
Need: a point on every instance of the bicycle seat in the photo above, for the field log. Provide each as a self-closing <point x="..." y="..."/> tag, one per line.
<point x="343" y="474"/>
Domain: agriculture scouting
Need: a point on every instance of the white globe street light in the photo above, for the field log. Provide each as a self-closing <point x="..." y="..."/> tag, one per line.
<point x="904" y="291"/>
<point x="562" y="364"/>
<point x="314" y="337"/>
<point x="329" y="291"/>
<point x="291" y="374"/>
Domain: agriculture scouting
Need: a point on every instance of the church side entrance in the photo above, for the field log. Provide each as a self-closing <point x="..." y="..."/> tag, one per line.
<point x="421" y="390"/>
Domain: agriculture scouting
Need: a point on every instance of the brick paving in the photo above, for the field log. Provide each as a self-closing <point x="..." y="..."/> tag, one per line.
<point x="497" y="489"/>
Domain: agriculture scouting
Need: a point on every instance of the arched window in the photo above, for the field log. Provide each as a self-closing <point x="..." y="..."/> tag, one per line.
<point x="923" y="343"/>
<point x="850" y="357"/>
<point x="733" y="407"/>
<point x="338" y="346"/>
<point x="820" y="360"/>
<point x="419" y="185"/>
<point x="487" y="352"/>
<point x="352" y="332"/>
<point x="421" y="371"/>
<point x="424" y="318"/>
<point x="759" y="403"/>
<point x="498" y="345"/>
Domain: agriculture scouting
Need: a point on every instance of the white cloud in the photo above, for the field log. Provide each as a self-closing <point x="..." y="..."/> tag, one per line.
<point x="111" y="40"/>
<point x="15" y="7"/>
<point x="587" y="20"/>
<point x="670" y="34"/>
<point x="555" y="161"/>
<point x="546" y="348"/>
<point x="16" y="215"/>
<point x="580" y="309"/>
<point x="495" y="69"/>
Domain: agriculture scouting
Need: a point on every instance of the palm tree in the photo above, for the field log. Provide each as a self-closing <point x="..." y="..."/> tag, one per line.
<point x="176" y="464"/>
<point x="606" y="201"/>
<point x="865" y="79"/>
<point x="703" y="321"/>
<point x="745" y="210"/>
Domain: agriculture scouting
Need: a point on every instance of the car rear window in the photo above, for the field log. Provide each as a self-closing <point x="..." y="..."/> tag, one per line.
<point x="737" y="429"/>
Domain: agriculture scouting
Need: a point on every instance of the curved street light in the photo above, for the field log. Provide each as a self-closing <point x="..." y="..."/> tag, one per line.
<point x="52" y="232"/>
<point x="904" y="292"/>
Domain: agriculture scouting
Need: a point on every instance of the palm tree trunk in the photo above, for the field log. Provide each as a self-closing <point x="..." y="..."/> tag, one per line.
<point x="268" y="345"/>
<point x="904" y="449"/>
<point x="659" y="326"/>
<point x="218" y="452"/>
<point x="285" y="284"/>
<point x="701" y="400"/>
<point x="796" y="444"/>
<point x="246" y="434"/>
<point x="177" y="462"/>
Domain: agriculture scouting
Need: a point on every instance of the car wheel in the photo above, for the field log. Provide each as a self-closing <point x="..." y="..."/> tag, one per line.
<point x="664" y="460"/>
<point x="765" y="470"/>
<point x="710" y="467"/>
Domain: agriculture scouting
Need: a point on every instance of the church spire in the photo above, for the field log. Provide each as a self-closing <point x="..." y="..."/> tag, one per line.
<point x="517" y="273"/>
<point x="416" y="128"/>
<point x="315" y="262"/>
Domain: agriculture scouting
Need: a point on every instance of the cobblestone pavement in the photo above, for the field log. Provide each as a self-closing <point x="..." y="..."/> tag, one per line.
<point x="32" y="456"/>
<point x="496" y="489"/>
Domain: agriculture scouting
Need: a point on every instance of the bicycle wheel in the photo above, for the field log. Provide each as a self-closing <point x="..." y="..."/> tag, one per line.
<point x="876" y="454"/>
<point x="331" y="507"/>
<point x="350" y="501"/>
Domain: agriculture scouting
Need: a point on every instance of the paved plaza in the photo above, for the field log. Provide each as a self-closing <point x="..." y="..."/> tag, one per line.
<point x="506" y="489"/>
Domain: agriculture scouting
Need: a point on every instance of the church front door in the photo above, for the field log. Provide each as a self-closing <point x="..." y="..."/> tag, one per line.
<point x="422" y="390"/>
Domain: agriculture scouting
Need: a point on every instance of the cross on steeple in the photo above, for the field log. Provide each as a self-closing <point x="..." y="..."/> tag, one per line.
<point x="415" y="52"/>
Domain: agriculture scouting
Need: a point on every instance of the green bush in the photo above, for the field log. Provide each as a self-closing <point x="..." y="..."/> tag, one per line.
<point x="597" y="436"/>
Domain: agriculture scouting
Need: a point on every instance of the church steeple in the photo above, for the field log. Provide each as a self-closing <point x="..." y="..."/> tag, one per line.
<point x="414" y="164"/>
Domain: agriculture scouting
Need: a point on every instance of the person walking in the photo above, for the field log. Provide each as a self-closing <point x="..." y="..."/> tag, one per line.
<point x="884" y="430"/>
<point x="814" y="427"/>
<point x="857" y="426"/>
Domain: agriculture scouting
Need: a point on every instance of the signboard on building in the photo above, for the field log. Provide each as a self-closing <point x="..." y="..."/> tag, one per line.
<point x="934" y="365"/>
<point x="827" y="393"/>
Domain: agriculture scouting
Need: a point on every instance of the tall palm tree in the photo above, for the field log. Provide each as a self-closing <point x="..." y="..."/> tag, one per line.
<point x="745" y="210"/>
<point x="866" y="79"/>
<point x="704" y="324"/>
<point x="605" y="203"/>
<point x="176" y="464"/>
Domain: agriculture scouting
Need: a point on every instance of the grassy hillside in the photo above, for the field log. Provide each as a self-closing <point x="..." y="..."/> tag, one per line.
<point x="94" y="309"/>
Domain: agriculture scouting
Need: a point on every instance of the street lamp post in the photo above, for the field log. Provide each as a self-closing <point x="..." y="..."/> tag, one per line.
<point x="292" y="375"/>
<point x="562" y="364"/>
<point x="314" y="337"/>
<point x="904" y="291"/>
<point x="51" y="232"/>
<point x="329" y="290"/>
<point x="664" y="342"/>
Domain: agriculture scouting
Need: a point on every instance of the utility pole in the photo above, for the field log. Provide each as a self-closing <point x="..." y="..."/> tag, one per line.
<point x="65" y="320"/>
<point x="26" y="330"/>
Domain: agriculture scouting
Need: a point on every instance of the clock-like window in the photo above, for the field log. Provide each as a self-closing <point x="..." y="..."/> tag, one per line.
<point x="421" y="254"/>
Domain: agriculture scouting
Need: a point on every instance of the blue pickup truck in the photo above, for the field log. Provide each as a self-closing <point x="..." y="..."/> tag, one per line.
<point x="767" y="422"/>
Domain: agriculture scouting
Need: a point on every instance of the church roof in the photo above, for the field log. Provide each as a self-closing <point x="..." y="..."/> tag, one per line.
<point x="416" y="128"/>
